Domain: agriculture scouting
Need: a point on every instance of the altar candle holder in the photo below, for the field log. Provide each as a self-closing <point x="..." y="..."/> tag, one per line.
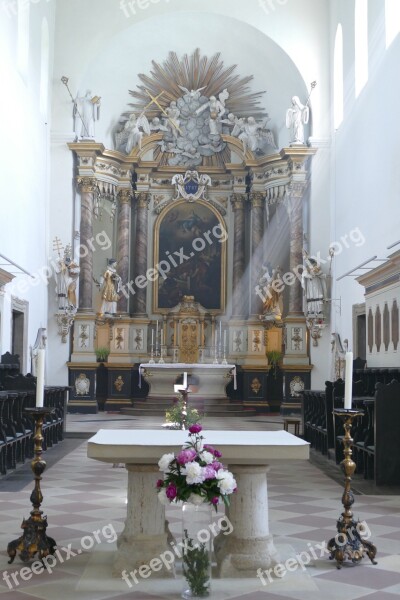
<point x="348" y="542"/>
<point x="162" y="354"/>
<point x="152" y="361"/>
<point x="224" y="361"/>
<point x="34" y="539"/>
<point x="215" y="361"/>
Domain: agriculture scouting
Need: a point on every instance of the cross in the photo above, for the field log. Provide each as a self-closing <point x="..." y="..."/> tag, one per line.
<point x="155" y="101"/>
<point x="57" y="245"/>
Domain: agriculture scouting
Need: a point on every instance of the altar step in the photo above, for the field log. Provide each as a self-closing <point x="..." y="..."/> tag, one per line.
<point x="208" y="407"/>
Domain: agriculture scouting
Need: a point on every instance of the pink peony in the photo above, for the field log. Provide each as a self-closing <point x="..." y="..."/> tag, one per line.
<point x="217" y="454"/>
<point x="208" y="472"/>
<point x="159" y="483"/>
<point x="185" y="456"/>
<point x="215" y="500"/>
<point x="216" y="465"/>
<point x="171" y="491"/>
<point x="209" y="448"/>
<point x="196" y="428"/>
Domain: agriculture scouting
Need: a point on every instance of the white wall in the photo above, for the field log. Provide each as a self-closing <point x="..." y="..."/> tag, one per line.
<point x="366" y="185"/>
<point x="24" y="166"/>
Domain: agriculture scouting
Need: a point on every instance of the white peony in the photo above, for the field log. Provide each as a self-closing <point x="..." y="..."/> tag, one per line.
<point x="162" y="496"/>
<point x="226" y="482"/>
<point x="164" y="461"/>
<point x="196" y="499"/>
<point x="193" y="472"/>
<point x="207" y="457"/>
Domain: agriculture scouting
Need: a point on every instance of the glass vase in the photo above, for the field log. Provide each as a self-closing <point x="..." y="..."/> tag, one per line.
<point x="197" y="550"/>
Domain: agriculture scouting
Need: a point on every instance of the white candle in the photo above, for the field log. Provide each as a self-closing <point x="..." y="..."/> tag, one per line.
<point x="157" y="332"/>
<point x="185" y="380"/>
<point x="220" y="332"/>
<point x="348" y="381"/>
<point x="162" y="337"/>
<point x="152" y="337"/>
<point x="225" y="339"/>
<point x="40" y="377"/>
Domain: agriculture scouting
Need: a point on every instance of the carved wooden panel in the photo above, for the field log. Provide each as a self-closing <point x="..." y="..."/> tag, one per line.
<point x="395" y="324"/>
<point x="386" y="327"/>
<point x="370" y="330"/>
<point x="378" y="329"/>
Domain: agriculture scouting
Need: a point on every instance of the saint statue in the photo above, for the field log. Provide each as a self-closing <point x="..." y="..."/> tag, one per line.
<point x="86" y="112"/>
<point x="313" y="282"/>
<point x="67" y="273"/>
<point x="111" y="284"/>
<point x="133" y="128"/>
<point x="273" y="302"/>
<point x="296" y="117"/>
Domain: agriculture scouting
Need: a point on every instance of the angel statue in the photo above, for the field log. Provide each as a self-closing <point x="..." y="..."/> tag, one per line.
<point x="217" y="110"/>
<point x="132" y="126"/>
<point x="296" y="117"/>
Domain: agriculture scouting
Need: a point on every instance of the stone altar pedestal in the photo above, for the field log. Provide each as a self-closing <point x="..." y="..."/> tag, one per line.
<point x="250" y="545"/>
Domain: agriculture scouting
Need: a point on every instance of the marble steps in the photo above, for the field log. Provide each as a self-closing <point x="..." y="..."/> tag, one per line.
<point x="210" y="407"/>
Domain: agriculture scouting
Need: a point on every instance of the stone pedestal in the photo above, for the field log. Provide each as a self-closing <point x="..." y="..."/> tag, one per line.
<point x="250" y="545"/>
<point x="144" y="536"/>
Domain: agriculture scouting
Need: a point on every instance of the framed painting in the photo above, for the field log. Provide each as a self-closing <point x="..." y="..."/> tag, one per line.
<point x="189" y="255"/>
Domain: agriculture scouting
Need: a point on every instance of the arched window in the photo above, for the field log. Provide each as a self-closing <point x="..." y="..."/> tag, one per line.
<point x="392" y="20"/>
<point x="361" y="45"/>
<point x="338" y="78"/>
<point x="44" y="68"/>
<point x="23" y="36"/>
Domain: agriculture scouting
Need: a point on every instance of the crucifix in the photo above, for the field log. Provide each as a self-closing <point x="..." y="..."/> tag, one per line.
<point x="154" y="100"/>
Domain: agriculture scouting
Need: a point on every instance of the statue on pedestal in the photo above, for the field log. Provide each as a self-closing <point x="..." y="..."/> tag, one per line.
<point x="272" y="286"/>
<point x="296" y="117"/>
<point x="111" y="284"/>
<point x="86" y="112"/>
<point x="67" y="273"/>
<point x="314" y="285"/>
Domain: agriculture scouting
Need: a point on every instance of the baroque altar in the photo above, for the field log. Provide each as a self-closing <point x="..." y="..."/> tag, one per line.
<point x="188" y="199"/>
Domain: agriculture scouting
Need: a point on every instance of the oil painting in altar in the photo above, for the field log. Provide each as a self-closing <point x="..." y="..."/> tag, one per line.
<point x="191" y="241"/>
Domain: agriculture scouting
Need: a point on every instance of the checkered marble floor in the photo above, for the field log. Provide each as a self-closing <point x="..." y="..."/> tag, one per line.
<point x="83" y="496"/>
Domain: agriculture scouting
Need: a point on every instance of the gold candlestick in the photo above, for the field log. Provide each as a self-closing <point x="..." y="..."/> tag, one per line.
<point x="34" y="539"/>
<point x="348" y="542"/>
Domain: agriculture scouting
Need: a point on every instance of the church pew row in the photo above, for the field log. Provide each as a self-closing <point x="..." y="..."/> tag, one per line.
<point x="17" y="426"/>
<point x="376" y="435"/>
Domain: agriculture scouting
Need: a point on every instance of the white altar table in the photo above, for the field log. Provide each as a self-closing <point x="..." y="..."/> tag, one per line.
<point x="246" y="453"/>
<point x="213" y="378"/>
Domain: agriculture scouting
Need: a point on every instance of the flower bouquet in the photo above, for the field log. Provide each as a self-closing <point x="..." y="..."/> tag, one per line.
<point x="196" y="477"/>
<point x="195" y="474"/>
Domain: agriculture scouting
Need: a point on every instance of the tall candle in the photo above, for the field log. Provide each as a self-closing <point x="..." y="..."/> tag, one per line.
<point x="348" y="381"/>
<point x="220" y="333"/>
<point x="40" y="377"/>
<point x="152" y="337"/>
<point x="225" y="339"/>
<point x="157" y="333"/>
<point x="162" y="337"/>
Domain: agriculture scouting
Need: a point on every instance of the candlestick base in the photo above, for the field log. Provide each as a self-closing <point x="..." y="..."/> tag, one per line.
<point x="348" y="542"/>
<point x="34" y="539"/>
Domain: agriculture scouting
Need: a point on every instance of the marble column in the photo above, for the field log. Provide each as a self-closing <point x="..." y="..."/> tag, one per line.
<point x="239" y="296"/>
<point x="87" y="187"/>
<point x="257" y="233"/>
<point x="295" y="209"/>
<point x="145" y="535"/>
<point x="141" y="243"/>
<point x="250" y="545"/>
<point x="123" y="227"/>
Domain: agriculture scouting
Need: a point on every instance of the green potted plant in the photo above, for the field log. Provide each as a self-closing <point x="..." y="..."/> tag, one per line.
<point x="274" y="358"/>
<point x="102" y="354"/>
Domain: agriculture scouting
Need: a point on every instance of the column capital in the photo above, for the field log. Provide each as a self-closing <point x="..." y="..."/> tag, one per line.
<point x="238" y="201"/>
<point x="86" y="184"/>
<point x="124" y="195"/>
<point x="257" y="199"/>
